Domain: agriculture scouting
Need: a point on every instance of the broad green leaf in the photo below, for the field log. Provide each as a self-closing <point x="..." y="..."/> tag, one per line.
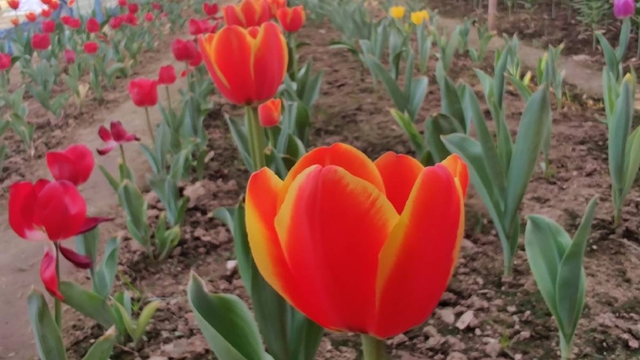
<point x="523" y="89"/>
<point x="103" y="347"/>
<point x="124" y="316"/>
<point x="234" y="218"/>
<point x="633" y="160"/>
<point x="536" y="116"/>
<point x="619" y="128"/>
<point x="397" y="95"/>
<point x="437" y="126"/>
<point x="46" y="332"/>
<point x="115" y="184"/>
<point x="271" y="314"/>
<point x="226" y="323"/>
<point x="305" y="336"/>
<point x="450" y="103"/>
<point x="135" y="208"/>
<point x="405" y="122"/>
<point x="609" y="55"/>
<point x="545" y="243"/>
<point x="241" y="139"/>
<point x="417" y="95"/>
<point x="87" y="244"/>
<point x="87" y="303"/>
<point x="105" y="274"/>
<point x="570" y="288"/>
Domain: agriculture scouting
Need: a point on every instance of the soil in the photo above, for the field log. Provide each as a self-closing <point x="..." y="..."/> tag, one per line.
<point x="481" y="315"/>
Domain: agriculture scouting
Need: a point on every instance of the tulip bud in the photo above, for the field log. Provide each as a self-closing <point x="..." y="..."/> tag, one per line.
<point x="397" y="12"/>
<point x="69" y="56"/>
<point x="144" y="92"/>
<point x="269" y="113"/>
<point x="40" y="41"/>
<point x="5" y="61"/>
<point x="48" y="26"/>
<point x="91" y="47"/>
<point x="31" y="16"/>
<point x="167" y="75"/>
<point x="624" y="8"/>
<point x="93" y="26"/>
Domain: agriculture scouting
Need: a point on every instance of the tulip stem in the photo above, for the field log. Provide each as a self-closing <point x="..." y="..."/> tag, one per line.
<point x="373" y="348"/>
<point x="166" y="88"/>
<point x="149" y="127"/>
<point x="124" y="160"/>
<point x="256" y="138"/>
<point x="56" y="302"/>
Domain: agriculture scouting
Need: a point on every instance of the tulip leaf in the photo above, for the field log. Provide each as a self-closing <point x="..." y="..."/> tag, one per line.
<point x="405" y="122"/>
<point x="241" y="139"/>
<point x="437" y="126"/>
<point x="397" y="95"/>
<point x="305" y="336"/>
<point x="619" y="128"/>
<point x="135" y="208"/>
<point x="87" y="303"/>
<point x="226" y="323"/>
<point x="633" y="156"/>
<point x="105" y="274"/>
<point x="103" y="347"/>
<point x="143" y="320"/>
<point x="535" y="118"/>
<point x="234" y="218"/>
<point x="87" y="244"/>
<point x="450" y="103"/>
<point x="271" y="314"/>
<point x="156" y="164"/>
<point x="125" y="318"/>
<point x="46" y="332"/>
<point x="570" y="288"/>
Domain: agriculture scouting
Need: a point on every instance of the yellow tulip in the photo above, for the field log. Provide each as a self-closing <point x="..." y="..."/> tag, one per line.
<point x="397" y="12"/>
<point x="419" y="17"/>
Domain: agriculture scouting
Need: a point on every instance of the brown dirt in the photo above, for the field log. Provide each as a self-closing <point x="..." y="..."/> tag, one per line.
<point x="509" y="318"/>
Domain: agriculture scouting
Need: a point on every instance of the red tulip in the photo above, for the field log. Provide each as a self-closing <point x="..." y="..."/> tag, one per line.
<point x="156" y="6"/>
<point x="357" y="245"/>
<point x="275" y="5"/>
<point x="210" y="9"/>
<point x="5" y="61"/>
<point x="91" y="47"/>
<point x="54" y="5"/>
<point x="197" y="59"/>
<point x="247" y="14"/>
<point x="46" y="2"/>
<point x="40" y="41"/>
<point x="46" y="12"/>
<point x="71" y="22"/>
<point x="199" y="27"/>
<point x="269" y="113"/>
<point x="116" y="22"/>
<point x="167" y="75"/>
<point x="131" y="19"/>
<point x="114" y="137"/>
<point x="31" y="16"/>
<point x="253" y="71"/>
<point x="184" y="50"/>
<point x="73" y="164"/>
<point x="148" y="17"/>
<point x="69" y="56"/>
<point x="144" y="92"/>
<point x="14" y="4"/>
<point x="93" y="26"/>
<point x="15" y="21"/>
<point x="50" y="211"/>
<point x="122" y="3"/>
<point x="48" y="26"/>
<point x="291" y="19"/>
<point x="133" y="8"/>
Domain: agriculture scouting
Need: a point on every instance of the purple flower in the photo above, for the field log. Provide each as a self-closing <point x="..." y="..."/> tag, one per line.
<point x="624" y="8"/>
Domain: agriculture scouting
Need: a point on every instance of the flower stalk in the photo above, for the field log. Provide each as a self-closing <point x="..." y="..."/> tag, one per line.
<point x="373" y="348"/>
<point x="256" y="139"/>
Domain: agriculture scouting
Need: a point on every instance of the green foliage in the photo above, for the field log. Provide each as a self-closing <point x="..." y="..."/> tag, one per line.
<point x="556" y="262"/>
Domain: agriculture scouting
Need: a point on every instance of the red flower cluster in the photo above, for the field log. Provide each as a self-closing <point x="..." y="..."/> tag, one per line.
<point x="52" y="211"/>
<point x="71" y="22"/>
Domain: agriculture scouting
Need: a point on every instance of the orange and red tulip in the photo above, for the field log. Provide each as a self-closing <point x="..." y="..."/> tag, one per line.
<point x="31" y="16"/>
<point x="253" y="71"/>
<point x="54" y="5"/>
<point x="269" y="113"/>
<point x="15" y="21"/>
<point x="46" y="12"/>
<point x="275" y="5"/>
<point x="356" y="245"/>
<point x="248" y="13"/>
<point x="291" y="19"/>
<point x="14" y="4"/>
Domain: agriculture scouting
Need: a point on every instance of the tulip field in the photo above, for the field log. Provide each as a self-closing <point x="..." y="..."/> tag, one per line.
<point x="318" y="179"/>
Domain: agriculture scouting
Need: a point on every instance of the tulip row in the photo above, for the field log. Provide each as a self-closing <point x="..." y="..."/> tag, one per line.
<point x="80" y="53"/>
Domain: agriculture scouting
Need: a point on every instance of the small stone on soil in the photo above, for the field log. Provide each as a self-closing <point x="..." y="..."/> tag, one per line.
<point x="467" y="320"/>
<point x="456" y="356"/>
<point x="447" y="315"/>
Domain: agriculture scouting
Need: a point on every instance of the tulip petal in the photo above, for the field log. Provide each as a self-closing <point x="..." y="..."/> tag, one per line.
<point x="458" y="169"/>
<point x="107" y="149"/>
<point x="228" y="58"/>
<point x="332" y="226"/>
<point x="104" y="134"/>
<point x="48" y="272"/>
<point x="261" y="206"/>
<point x="91" y="223"/>
<point x="399" y="173"/>
<point x="22" y="197"/>
<point x="60" y="210"/>
<point x="416" y="261"/>
<point x="74" y="164"/>
<point x="269" y="62"/>
<point x="80" y="261"/>
<point x="339" y="154"/>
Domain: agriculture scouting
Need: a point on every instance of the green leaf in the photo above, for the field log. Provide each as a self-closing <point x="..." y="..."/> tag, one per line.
<point x="437" y="126"/>
<point x="103" y="347"/>
<point x="87" y="303"/>
<point x="535" y="118"/>
<point x="619" y="128"/>
<point x="115" y="184"/>
<point x="241" y="139"/>
<point x="271" y="314"/>
<point x="305" y="336"/>
<point x="610" y="57"/>
<point x="234" y="218"/>
<point x="523" y="89"/>
<point x="156" y="164"/>
<point x="633" y="160"/>
<point x="397" y="95"/>
<point x="135" y="208"/>
<point x="450" y="103"/>
<point x="226" y="323"/>
<point x="570" y="288"/>
<point x="143" y="320"/>
<point x="105" y="274"/>
<point x="48" y="337"/>
<point x="124" y="317"/>
<point x="417" y="95"/>
<point x="87" y="244"/>
<point x="406" y="124"/>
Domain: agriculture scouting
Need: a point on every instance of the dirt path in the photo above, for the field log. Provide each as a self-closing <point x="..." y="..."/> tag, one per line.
<point x="20" y="260"/>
